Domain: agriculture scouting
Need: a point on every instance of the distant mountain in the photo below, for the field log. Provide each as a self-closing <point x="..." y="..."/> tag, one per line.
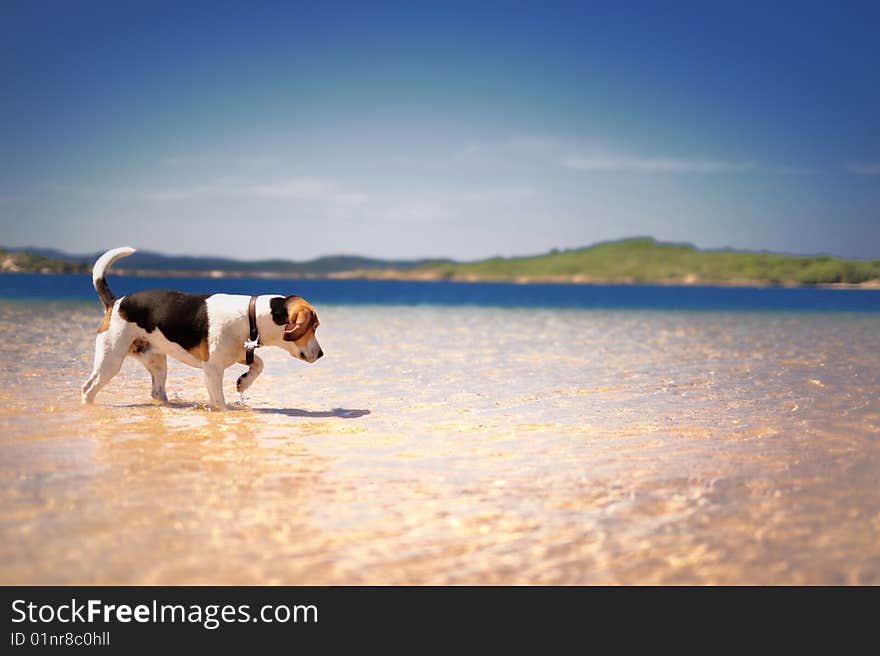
<point x="144" y="261"/>
<point x="636" y="260"/>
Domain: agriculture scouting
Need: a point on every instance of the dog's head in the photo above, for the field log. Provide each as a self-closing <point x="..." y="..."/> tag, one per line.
<point x="299" y="321"/>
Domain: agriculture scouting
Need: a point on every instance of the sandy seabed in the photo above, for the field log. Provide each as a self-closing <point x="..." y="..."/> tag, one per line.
<point x="454" y="445"/>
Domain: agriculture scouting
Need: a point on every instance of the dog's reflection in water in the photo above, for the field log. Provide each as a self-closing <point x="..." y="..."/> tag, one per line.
<point x="341" y="413"/>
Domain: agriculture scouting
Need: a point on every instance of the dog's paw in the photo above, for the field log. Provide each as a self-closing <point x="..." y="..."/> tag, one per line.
<point x="242" y="383"/>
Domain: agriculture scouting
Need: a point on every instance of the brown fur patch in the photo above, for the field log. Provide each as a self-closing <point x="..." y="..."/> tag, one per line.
<point x="105" y="324"/>
<point x="139" y="345"/>
<point x="200" y="350"/>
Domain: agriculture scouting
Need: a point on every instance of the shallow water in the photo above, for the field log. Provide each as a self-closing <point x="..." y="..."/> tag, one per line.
<point x="454" y="445"/>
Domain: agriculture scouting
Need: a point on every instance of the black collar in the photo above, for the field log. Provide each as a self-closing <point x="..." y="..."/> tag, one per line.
<point x="254" y="339"/>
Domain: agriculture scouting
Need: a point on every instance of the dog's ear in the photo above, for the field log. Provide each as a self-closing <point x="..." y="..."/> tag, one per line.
<point x="296" y="329"/>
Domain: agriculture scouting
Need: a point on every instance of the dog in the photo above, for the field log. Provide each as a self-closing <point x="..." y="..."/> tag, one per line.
<point x="210" y="331"/>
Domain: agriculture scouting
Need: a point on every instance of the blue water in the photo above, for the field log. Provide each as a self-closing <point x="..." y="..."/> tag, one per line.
<point x="390" y="292"/>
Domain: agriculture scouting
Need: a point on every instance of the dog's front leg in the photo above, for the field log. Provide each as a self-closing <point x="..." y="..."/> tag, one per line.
<point x="248" y="377"/>
<point x="214" y="381"/>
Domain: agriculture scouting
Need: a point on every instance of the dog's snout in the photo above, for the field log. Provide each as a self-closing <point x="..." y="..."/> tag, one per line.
<point x="320" y="354"/>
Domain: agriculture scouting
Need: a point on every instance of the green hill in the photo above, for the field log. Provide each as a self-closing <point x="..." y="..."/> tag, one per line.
<point x="19" y="262"/>
<point x="639" y="260"/>
<point x="645" y="260"/>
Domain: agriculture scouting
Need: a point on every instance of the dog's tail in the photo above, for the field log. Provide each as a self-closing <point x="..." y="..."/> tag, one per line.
<point x="108" y="258"/>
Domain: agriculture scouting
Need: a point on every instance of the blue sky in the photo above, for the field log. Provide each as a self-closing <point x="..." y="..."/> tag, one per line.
<point x="414" y="129"/>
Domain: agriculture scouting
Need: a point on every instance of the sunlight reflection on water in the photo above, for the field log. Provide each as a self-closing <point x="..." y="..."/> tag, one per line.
<point x="455" y="445"/>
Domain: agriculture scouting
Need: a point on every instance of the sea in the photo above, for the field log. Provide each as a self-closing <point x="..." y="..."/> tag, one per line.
<point x="455" y="433"/>
<point x="482" y="294"/>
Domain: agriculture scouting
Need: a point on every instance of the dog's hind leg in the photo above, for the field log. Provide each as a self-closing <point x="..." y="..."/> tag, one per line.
<point x="157" y="364"/>
<point x="248" y="377"/>
<point x="110" y="352"/>
<point x="158" y="368"/>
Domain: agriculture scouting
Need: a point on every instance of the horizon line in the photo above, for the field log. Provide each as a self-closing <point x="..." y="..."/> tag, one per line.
<point x="661" y="242"/>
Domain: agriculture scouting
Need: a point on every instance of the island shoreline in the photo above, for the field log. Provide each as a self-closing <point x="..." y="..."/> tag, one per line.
<point x="399" y="276"/>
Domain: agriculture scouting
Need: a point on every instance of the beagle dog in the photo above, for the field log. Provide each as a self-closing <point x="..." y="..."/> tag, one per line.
<point x="202" y="330"/>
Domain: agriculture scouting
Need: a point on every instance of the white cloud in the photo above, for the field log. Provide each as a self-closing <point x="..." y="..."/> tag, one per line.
<point x="303" y="189"/>
<point x="631" y="164"/>
<point x="865" y="168"/>
<point x="600" y="156"/>
<point x="298" y="188"/>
